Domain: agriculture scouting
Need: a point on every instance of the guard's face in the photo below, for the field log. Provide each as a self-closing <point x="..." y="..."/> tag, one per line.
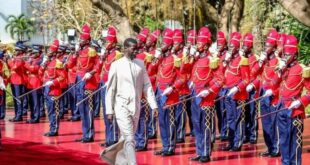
<point x="177" y="46"/>
<point x="18" y="52"/>
<point x="109" y="45"/>
<point x="269" y="48"/>
<point x="84" y="42"/>
<point x="289" y="57"/>
<point x="233" y="49"/>
<point x="220" y="47"/>
<point x="50" y="53"/>
<point x="140" y="43"/>
<point x="201" y="46"/>
<point x="164" y="47"/>
<point x="246" y="48"/>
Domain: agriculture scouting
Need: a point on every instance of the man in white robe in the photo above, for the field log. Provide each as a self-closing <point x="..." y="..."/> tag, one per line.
<point x="127" y="81"/>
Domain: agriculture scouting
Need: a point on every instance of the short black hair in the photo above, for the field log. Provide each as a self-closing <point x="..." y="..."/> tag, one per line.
<point x="129" y="41"/>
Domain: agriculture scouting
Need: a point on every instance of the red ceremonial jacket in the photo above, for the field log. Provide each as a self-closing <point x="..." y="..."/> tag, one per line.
<point x="34" y="76"/>
<point x="295" y="78"/>
<point x="54" y="71"/>
<point x="237" y="74"/>
<point x="168" y="75"/>
<point x="16" y="66"/>
<point x="85" y="62"/>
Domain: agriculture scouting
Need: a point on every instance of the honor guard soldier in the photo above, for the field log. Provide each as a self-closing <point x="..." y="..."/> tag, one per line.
<point x="141" y="134"/>
<point x="61" y="56"/>
<point x="190" y="41"/>
<point x="236" y="79"/>
<point x="180" y="112"/>
<point x="204" y="91"/>
<point x="166" y="66"/>
<point x="85" y="61"/>
<point x="94" y="44"/>
<point x="53" y="75"/>
<point x="71" y="83"/>
<point x="251" y="110"/>
<point x="268" y="103"/>
<point x="16" y="66"/>
<point x="295" y="77"/>
<point x="221" y="111"/>
<point x="34" y="81"/>
<point x="147" y="57"/>
<point x="3" y="83"/>
<point x="151" y="47"/>
<point x="108" y="55"/>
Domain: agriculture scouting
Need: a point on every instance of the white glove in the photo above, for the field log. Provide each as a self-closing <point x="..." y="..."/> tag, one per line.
<point x="191" y="84"/>
<point x="263" y="56"/>
<point x="157" y="53"/>
<point x="276" y="53"/>
<point x="77" y="46"/>
<point x="232" y="91"/>
<point x="197" y="54"/>
<point x="44" y="60"/>
<point x="49" y="83"/>
<point x="282" y="64"/>
<point x="268" y="93"/>
<point x="102" y="51"/>
<point x="216" y="53"/>
<point x="295" y="104"/>
<point x="2" y="85"/>
<point x="227" y="56"/>
<point x="192" y="51"/>
<point x="249" y="88"/>
<point x="203" y="93"/>
<point x="185" y="51"/>
<point x="241" y="52"/>
<point x="167" y="91"/>
<point x="87" y="76"/>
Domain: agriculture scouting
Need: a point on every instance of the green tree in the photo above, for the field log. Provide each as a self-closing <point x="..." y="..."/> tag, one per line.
<point x="20" y="27"/>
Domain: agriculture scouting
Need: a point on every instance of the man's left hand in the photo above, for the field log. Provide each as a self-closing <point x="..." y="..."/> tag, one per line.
<point x="155" y="111"/>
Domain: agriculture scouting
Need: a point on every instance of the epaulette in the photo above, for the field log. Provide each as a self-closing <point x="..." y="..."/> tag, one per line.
<point x="92" y="52"/>
<point x="244" y="61"/>
<point x="148" y="57"/>
<point x="305" y="71"/>
<point x="214" y="62"/>
<point x="58" y="64"/>
<point x="185" y="58"/>
<point x="118" y="54"/>
<point x="177" y="61"/>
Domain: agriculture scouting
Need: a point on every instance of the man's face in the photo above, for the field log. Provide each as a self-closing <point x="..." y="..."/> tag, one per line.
<point x="132" y="50"/>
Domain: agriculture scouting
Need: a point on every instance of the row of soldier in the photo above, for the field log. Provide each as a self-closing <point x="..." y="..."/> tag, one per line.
<point x="190" y="82"/>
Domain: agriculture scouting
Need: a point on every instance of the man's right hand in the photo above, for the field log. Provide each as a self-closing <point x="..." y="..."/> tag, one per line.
<point x="110" y="118"/>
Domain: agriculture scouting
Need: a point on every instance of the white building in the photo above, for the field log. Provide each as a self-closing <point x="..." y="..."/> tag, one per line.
<point x="17" y="7"/>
